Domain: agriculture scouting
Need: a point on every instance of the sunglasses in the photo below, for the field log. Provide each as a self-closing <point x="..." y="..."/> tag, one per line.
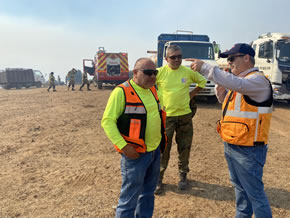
<point x="149" y="72"/>
<point x="173" y="57"/>
<point x="232" y="58"/>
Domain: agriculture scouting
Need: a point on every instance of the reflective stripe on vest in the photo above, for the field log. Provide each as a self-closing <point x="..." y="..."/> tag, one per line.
<point x="134" y="110"/>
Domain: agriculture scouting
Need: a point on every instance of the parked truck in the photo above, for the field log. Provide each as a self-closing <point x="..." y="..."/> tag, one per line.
<point x="110" y="68"/>
<point x="38" y="76"/>
<point x="193" y="46"/>
<point x="18" y="78"/>
<point x="273" y="58"/>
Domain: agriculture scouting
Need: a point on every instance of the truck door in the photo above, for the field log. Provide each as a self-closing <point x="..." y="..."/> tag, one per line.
<point x="113" y="65"/>
<point x="89" y="66"/>
<point x="264" y="58"/>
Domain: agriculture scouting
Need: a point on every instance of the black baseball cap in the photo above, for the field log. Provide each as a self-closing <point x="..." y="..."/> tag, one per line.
<point x="242" y="48"/>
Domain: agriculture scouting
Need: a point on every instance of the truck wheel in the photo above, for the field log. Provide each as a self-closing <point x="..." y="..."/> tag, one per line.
<point x="212" y="100"/>
<point x="100" y="84"/>
<point x="18" y="86"/>
<point x="288" y="101"/>
<point x="38" y="84"/>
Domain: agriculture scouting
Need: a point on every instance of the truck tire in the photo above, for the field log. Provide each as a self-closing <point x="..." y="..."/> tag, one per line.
<point x="7" y="87"/>
<point x="38" y="84"/>
<point x="18" y="86"/>
<point x="212" y="100"/>
<point x="100" y="84"/>
<point x="288" y="101"/>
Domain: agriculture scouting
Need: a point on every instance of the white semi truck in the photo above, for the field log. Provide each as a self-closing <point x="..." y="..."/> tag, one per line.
<point x="273" y="58"/>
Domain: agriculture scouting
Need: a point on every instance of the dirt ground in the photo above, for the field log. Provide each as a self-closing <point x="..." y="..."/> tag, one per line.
<point x="56" y="161"/>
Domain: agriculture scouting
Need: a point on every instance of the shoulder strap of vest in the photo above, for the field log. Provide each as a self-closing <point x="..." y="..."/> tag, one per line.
<point x="227" y="104"/>
<point x="266" y="103"/>
<point x="154" y="92"/>
<point x="124" y="84"/>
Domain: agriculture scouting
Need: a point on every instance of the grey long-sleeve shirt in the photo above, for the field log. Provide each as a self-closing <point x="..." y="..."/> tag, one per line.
<point x="255" y="86"/>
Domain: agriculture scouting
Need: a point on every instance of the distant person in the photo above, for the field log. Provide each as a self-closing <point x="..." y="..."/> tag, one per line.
<point x="71" y="78"/>
<point x="173" y="81"/>
<point x="215" y="47"/>
<point x="58" y="80"/>
<point x="85" y="81"/>
<point x="247" y="98"/>
<point x="51" y="82"/>
<point x="132" y="121"/>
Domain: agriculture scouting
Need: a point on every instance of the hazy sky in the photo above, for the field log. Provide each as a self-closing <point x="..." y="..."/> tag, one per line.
<point x="55" y="35"/>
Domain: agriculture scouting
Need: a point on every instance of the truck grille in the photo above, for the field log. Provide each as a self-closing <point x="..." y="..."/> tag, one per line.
<point x="285" y="69"/>
<point x="207" y="90"/>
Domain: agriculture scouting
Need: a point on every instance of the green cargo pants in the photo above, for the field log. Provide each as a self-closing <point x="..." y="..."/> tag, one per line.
<point x="183" y="127"/>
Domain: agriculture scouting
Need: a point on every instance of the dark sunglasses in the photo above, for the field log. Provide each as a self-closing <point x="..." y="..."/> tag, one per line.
<point x="149" y="72"/>
<point x="232" y="58"/>
<point x="173" y="57"/>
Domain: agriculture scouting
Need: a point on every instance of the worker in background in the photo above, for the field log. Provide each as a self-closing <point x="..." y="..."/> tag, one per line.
<point x="173" y="81"/>
<point x="85" y="81"/>
<point x="133" y="122"/>
<point x="51" y="82"/>
<point x="215" y="47"/>
<point x="247" y="97"/>
<point x="71" y="78"/>
<point x="58" y="80"/>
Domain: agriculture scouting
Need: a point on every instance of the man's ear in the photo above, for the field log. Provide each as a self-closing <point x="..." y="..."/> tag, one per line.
<point x="247" y="58"/>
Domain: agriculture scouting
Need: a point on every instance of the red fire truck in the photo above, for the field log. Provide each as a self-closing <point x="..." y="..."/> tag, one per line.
<point x="108" y="68"/>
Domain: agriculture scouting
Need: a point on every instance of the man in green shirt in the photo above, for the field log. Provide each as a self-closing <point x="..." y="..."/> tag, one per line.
<point x="132" y="121"/>
<point x="173" y="81"/>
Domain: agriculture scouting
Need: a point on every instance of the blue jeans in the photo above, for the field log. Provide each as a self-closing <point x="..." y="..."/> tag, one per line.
<point x="246" y="172"/>
<point x="139" y="181"/>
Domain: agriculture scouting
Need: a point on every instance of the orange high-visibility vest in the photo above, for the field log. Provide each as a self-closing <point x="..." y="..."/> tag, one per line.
<point x="245" y="121"/>
<point x="132" y="123"/>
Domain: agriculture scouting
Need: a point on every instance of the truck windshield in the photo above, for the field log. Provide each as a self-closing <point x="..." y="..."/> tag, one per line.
<point x="38" y="73"/>
<point x="283" y="50"/>
<point x="196" y="50"/>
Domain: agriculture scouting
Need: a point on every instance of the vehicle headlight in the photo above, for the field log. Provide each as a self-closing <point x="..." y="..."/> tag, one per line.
<point x="276" y="90"/>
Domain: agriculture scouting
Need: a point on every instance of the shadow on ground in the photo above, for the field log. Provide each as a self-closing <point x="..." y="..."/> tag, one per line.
<point x="278" y="198"/>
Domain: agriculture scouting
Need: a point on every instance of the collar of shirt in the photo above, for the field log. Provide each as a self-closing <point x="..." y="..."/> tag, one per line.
<point x="243" y="74"/>
<point x="137" y="87"/>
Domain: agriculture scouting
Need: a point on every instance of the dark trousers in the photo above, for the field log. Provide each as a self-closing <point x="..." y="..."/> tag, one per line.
<point x="183" y="127"/>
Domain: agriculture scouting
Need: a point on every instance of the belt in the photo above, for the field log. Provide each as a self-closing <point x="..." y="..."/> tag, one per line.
<point x="259" y="143"/>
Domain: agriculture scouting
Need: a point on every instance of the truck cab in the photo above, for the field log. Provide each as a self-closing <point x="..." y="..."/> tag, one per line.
<point x="273" y="59"/>
<point x="38" y="76"/>
<point x="193" y="46"/>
